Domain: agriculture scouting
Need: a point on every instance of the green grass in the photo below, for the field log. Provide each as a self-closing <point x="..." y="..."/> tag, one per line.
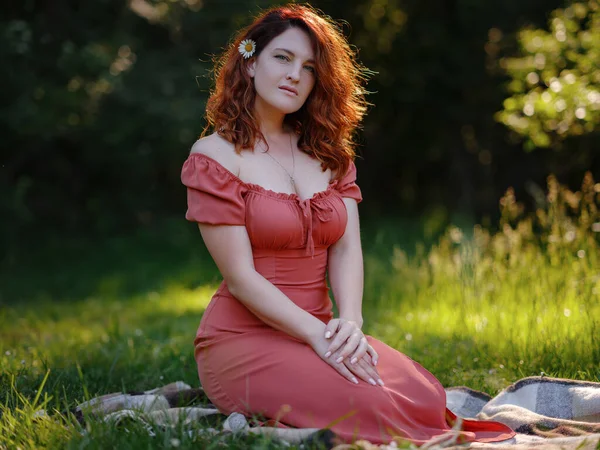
<point x="479" y="309"/>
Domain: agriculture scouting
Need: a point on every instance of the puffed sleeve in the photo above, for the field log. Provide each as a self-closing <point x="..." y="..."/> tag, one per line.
<point x="214" y="195"/>
<point x="347" y="184"/>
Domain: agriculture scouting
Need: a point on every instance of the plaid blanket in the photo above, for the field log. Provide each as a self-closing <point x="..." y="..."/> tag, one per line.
<point x="540" y="407"/>
<point x="547" y="413"/>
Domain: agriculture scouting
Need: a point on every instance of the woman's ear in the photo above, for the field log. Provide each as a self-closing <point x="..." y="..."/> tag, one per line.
<point x="251" y="68"/>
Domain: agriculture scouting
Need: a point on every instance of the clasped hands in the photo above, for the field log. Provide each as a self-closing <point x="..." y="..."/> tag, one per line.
<point x="345" y="347"/>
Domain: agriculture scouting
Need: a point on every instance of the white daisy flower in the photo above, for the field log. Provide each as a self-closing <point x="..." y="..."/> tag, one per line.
<point x="247" y="48"/>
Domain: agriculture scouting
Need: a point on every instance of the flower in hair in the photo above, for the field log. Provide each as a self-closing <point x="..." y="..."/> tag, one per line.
<point x="247" y="48"/>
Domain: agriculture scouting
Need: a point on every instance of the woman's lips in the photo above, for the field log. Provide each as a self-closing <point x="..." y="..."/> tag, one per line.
<point x="289" y="90"/>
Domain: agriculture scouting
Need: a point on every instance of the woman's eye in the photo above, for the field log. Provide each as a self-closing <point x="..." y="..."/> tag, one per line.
<point x="310" y="68"/>
<point x="282" y="57"/>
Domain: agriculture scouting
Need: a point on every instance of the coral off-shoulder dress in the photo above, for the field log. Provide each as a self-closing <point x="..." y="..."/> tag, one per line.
<point x="245" y="365"/>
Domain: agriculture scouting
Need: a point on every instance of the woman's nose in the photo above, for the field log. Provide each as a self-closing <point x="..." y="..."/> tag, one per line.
<point x="294" y="73"/>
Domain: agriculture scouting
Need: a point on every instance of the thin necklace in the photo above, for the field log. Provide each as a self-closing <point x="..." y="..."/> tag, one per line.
<point x="293" y="165"/>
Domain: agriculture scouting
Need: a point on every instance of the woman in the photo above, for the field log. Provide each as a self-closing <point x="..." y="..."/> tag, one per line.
<point x="274" y="193"/>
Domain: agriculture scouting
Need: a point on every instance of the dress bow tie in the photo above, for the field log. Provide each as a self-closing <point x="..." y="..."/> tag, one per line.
<point x="323" y="212"/>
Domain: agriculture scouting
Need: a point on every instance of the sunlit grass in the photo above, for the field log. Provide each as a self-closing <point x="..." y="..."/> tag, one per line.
<point x="485" y="332"/>
<point x="475" y="307"/>
<point x="484" y="309"/>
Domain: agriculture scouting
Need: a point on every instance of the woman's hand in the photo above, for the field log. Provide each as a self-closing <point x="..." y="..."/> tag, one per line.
<point x="349" y="333"/>
<point x="362" y="368"/>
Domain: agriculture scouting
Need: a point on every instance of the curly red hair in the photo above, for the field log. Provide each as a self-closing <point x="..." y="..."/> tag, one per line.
<point x="332" y="112"/>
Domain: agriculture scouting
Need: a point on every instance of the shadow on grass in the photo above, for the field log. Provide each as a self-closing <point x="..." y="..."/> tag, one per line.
<point x="71" y="270"/>
<point x="170" y="252"/>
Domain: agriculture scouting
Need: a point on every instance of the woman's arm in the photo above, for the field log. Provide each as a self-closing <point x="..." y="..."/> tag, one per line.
<point x="231" y="250"/>
<point x="345" y="268"/>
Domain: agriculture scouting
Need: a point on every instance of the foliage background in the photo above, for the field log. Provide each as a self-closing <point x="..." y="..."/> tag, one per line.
<point x="102" y="100"/>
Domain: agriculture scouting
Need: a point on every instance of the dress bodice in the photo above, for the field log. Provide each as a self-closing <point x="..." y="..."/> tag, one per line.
<point x="274" y="221"/>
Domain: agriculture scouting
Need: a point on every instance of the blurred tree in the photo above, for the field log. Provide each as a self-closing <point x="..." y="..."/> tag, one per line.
<point x="102" y="99"/>
<point x="556" y="80"/>
<point x="431" y="137"/>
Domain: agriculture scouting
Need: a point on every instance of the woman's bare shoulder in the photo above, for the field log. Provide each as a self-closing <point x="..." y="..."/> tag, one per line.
<point x="219" y="149"/>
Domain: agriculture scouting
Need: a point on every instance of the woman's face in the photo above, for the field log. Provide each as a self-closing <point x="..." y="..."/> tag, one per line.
<point x="284" y="72"/>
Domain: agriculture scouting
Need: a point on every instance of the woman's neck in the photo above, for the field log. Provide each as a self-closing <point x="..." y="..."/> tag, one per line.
<point x="271" y="122"/>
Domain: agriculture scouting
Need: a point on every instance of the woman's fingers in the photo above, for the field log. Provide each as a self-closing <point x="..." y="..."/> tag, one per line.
<point x="352" y="344"/>
<point x="360" y="351"/>
<point x="361" y="369"/>
<point x="339" y="339"/>
<point x="367" y="372"/>
<point x="343" y="370"/>
<point x="374" y="355"/>
<point x="358" y="370"/>
<point x="332" y="327"/>
<point x="372" y="371"/>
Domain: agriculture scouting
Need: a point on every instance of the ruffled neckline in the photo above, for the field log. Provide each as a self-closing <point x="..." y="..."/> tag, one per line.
<point x="258" y="188"/>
